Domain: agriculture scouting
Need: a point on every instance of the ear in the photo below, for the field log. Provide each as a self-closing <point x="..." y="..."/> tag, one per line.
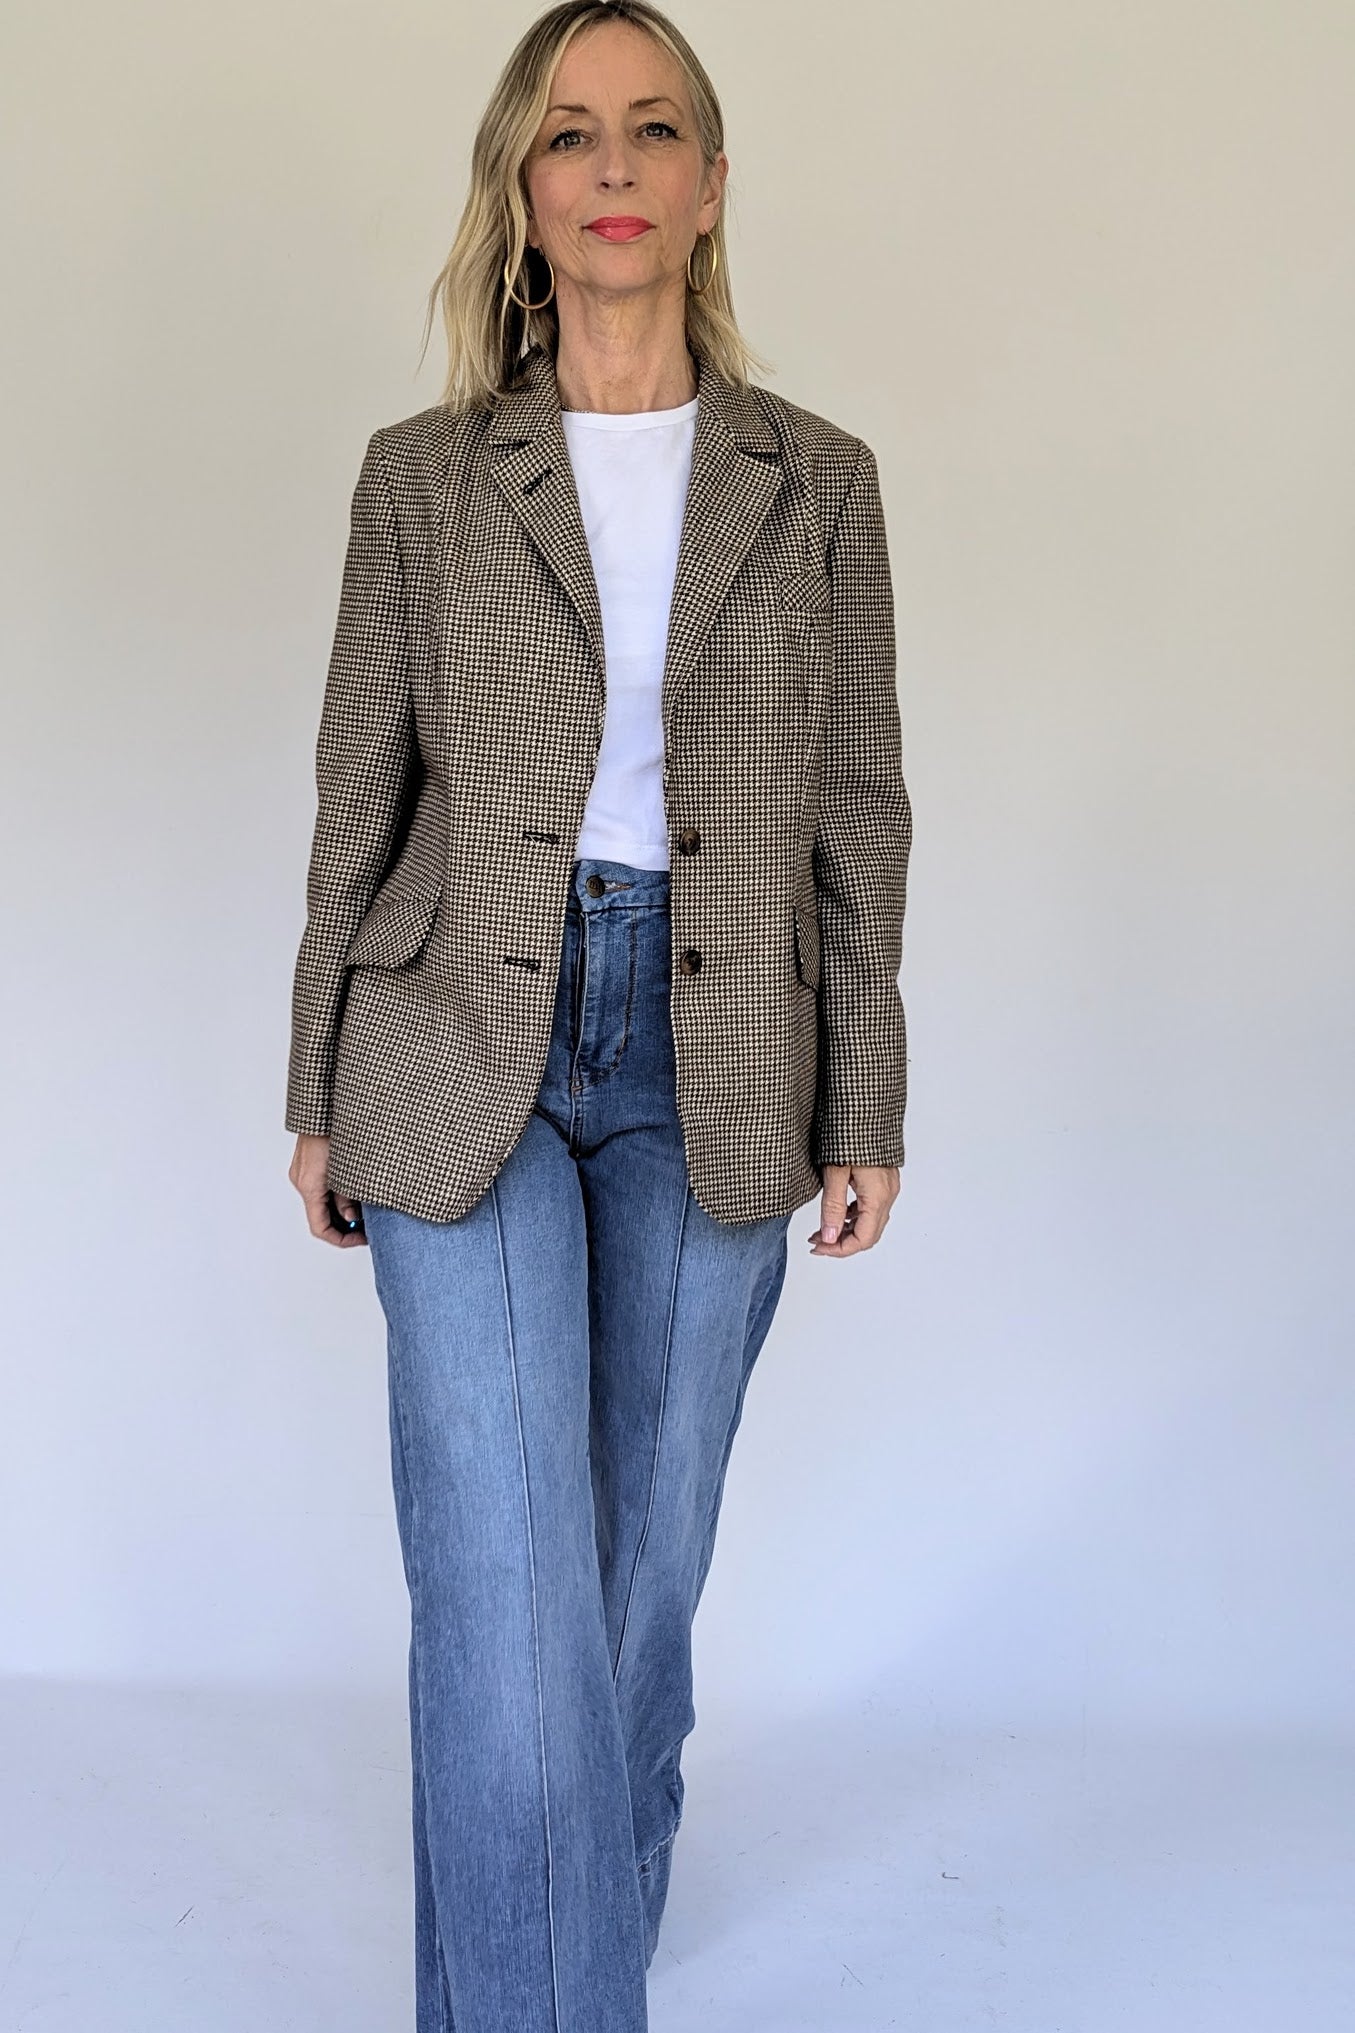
<point x="712" y="191"/>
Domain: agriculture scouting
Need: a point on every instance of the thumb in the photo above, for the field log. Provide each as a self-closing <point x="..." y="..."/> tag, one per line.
<point x="834" y="1201"/>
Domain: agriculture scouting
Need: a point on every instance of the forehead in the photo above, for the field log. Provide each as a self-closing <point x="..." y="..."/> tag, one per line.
<point x="614" y="63"/>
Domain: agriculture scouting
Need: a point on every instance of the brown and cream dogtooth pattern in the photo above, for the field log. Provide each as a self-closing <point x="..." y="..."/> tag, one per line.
<point x="459" y="732"/>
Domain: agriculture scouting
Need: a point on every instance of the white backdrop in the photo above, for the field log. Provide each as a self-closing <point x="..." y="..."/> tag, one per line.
<point x="1073" y="1445"/>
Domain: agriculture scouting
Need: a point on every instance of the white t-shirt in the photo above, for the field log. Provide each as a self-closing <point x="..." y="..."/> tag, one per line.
<point x="631" y="473"/>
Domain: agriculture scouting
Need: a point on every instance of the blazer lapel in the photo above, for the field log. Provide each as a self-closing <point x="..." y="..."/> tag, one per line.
<point x="735" y="477"/>
<point x="530" y="462"/>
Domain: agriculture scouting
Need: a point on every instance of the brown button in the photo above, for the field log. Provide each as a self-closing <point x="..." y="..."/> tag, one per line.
<point x="690" y="963"/>
<point x="594" y="885"/>
<point x="689" y="840"/>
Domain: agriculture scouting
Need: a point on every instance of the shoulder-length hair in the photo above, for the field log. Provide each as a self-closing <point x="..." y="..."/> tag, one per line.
<point x="487" y="332"/>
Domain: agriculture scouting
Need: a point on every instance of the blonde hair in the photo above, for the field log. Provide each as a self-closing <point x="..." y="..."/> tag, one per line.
<point x="487" y="332"/>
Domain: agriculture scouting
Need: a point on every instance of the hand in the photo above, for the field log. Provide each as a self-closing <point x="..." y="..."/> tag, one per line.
<point x="326" y="1212"/>
<point x="860" y="1225"/>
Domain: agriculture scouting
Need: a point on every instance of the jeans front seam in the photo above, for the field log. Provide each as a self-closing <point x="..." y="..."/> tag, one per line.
<point x="416" y="1602"/>
<point x="536" y="1633"/>
<point x="658" y="1439"/>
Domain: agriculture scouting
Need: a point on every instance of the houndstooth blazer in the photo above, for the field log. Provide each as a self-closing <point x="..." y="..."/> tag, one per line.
<point x="459" y="732"/>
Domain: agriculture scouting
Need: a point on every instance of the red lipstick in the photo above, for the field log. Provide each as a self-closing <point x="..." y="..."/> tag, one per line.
<point x="616" y="228"/>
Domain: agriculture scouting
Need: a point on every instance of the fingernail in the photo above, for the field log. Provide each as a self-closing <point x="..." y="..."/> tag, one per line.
<point x="830" y="1234"/>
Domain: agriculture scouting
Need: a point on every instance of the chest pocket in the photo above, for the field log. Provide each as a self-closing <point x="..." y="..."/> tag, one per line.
<point x="807" y="604"/>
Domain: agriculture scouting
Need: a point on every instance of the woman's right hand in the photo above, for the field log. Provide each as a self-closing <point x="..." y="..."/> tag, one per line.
<point x="327" y="1213"/>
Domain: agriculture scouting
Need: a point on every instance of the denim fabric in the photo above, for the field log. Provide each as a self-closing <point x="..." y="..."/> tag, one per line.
<point x="567" y="1367"/>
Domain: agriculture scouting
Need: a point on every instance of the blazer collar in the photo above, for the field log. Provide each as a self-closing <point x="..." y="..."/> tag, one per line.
<point x="736" y="475"/>
<point x="531" y="407"/>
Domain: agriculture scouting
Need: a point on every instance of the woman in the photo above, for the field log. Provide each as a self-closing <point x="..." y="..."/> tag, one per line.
<point x="598" y="984"/>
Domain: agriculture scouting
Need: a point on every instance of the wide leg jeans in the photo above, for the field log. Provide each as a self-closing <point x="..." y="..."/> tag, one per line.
<point x="567" y="1367"/>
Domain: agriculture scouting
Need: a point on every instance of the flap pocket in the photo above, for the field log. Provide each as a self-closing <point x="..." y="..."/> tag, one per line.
<point x="810" y="588"/>
<point x="807" y="942"/>
<point x="395" y="930"/>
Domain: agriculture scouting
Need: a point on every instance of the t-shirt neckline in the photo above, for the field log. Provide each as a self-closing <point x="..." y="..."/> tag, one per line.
<point x="630" y="419"/>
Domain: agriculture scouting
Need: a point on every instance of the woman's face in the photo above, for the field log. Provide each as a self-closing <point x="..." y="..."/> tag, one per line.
<point x="619" y="143"/>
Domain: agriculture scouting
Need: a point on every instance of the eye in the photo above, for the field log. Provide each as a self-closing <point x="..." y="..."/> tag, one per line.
<point x="571" y="134"/>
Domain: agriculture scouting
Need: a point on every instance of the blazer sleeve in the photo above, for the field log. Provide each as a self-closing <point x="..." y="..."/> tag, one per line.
<point x="367" y="763"/>
<point x="861" y="848"/>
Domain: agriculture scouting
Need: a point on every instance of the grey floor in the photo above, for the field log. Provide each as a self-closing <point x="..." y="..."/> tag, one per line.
<point x="206" y="1862"/>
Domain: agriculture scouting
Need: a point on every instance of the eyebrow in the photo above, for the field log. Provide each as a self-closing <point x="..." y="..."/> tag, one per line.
<point x="661" y="99"/>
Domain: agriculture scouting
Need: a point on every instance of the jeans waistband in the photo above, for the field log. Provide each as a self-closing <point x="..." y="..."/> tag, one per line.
<point x="596" y="885"/>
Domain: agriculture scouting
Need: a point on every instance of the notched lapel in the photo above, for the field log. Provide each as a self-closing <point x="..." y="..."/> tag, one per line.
<point x="529" y="459"/>
<point x="735" y="477"/>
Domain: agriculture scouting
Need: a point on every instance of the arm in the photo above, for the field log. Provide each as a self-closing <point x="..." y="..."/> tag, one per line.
<point x="861" y="848"/>
<point x="366" y="763"/>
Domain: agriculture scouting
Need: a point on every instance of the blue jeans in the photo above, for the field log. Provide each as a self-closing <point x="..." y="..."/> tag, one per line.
<point x="567" y="1367"/>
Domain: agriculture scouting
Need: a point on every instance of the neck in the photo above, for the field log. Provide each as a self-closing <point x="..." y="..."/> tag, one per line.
<point x="598" y="371"/>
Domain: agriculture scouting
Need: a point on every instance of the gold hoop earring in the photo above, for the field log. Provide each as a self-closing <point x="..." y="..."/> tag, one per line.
<point x="508" y="285"/>
<point x="714" y="264"/>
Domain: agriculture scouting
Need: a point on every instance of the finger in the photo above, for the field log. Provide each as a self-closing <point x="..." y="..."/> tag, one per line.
<point x="865" y="1223"/>
<point x="822" y="1247"/>
<point x="833" y="1210"/>
<point x="320" y="1216"/>
<point x="351" y="1231"/>
<point x="869" y="1225"/>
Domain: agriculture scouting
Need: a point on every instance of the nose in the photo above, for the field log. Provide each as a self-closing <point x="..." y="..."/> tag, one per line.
<point x="614" y="170"/>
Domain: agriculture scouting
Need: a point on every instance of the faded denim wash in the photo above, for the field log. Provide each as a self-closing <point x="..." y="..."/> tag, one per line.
<point x="567" y="1368"/>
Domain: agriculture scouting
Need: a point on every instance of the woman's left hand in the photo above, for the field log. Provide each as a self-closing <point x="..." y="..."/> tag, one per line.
<point x="859" y="1225"/>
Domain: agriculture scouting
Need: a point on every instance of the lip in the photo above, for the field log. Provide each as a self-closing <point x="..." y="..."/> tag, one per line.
<point x="617" y="228"/>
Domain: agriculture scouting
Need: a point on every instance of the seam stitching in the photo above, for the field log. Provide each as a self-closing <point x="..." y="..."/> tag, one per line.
<point x="536" y="1635"/>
